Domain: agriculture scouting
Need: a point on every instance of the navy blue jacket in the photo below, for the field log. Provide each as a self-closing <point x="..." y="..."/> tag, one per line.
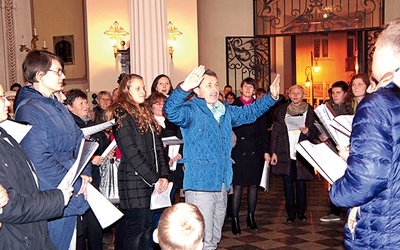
<point x="52" y="145"/>
<point x="372" y="178"/>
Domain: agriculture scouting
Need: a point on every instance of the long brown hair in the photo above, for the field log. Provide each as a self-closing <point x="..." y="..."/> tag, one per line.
<point x="140" y="112"/>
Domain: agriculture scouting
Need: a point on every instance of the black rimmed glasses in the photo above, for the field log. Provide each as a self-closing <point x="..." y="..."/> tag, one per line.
<point x="59" y="72"/>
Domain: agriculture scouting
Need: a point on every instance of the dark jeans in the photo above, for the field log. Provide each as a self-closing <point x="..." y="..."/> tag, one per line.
<point x="295" y="203"/>
<point x="134" y="229"/>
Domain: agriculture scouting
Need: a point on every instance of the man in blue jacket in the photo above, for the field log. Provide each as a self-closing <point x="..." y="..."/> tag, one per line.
<point x="371" y="183"/>
<point x="206" y="126"/>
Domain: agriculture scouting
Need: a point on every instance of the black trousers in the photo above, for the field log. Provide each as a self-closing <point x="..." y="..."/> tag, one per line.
<point x="295" y="192"/>
<point x="90" y="233"/>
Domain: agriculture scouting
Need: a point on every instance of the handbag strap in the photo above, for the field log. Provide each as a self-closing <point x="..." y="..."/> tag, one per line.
<point x="155" y="149"/>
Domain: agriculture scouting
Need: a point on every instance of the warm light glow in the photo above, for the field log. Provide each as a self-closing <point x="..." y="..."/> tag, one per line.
<point x="309" y="83"/>
<point x="173" y="33"/>
<point x="115" y="33"/>
<point x="317" y="68"/>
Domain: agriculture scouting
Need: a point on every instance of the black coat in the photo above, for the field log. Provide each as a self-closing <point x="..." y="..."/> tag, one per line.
<point x="173" y="130"/>
<point x="280" y="144"/>
<point x="24" y="218"/>
<point x="137" y="171"/>
<point x="100" y="138"/>
<point x="251" y="144"/>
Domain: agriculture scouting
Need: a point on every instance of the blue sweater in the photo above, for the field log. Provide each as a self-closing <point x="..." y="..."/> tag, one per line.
<point x="208" y="145"/>
<point x="372" y="178"/>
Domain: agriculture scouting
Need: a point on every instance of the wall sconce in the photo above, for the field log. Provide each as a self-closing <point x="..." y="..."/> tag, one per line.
<point x="173" y="33"/>
<point x="115" y="33"/>
<point x="23" y="47"/>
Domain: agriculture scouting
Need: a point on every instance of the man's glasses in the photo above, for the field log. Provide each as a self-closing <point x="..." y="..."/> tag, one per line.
<point x="59" y="72"/>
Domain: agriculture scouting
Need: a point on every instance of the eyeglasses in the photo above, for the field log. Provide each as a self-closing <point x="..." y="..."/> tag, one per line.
<point x="4" y="98"/>
<point x="59" y="72"/>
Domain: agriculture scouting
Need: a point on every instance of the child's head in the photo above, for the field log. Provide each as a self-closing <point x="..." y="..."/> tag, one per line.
<point x="181" y="227"/>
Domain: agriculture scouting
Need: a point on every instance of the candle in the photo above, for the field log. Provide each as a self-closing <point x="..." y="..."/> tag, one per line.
<point x="44" y="44"/>
<point x="23" y="40"/>
<point x="34" y="31"/>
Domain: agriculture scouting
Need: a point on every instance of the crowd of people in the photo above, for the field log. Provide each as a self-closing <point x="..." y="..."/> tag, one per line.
<point x="226" y="142"/>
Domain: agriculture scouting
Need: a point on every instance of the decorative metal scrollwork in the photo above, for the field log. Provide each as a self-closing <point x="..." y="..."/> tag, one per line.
<point x="290" y="16"/>
<point x="248" y="57"/>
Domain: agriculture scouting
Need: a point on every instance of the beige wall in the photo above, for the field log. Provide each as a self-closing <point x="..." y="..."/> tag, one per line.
<point x="218" y="19"/>
<point x="103" y="67"/>
<point x="183" y="14"/>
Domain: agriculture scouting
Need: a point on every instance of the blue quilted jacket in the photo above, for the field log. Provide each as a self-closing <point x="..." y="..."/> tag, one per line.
<point x="372" y="179"/>
<point x="207" y="151"/>
<point x="52" y="145"/>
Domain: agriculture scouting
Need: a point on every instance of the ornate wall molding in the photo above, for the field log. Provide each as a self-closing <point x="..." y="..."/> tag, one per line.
<point x="8" y="8"/>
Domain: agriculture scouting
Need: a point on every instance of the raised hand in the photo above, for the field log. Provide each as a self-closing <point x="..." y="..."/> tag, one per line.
<point x="194" y="78"/>
<point x="274" y="88"/>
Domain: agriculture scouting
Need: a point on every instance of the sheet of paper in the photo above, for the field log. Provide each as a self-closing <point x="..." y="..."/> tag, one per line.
<point x="17" y="130"/>
<point x="322" y="129"/>
<point x="326" y="117"/>
<point x="161" y="200"/>
<point x="171" y="140"/>
<point x="173" y="150"/>
<point x="97" y="128"/>
<point x="323" y="159"/>
<point x="343" y="123"/>
<point x="105" y="212"/>
<point x="110" y="147"/>
<point x="294" y="122"/>
<point x="264" y="183"/>
<point x="86" y="150"/>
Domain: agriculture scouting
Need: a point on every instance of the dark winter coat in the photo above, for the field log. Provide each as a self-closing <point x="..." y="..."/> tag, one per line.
<point x="280" y="144"/>
<point x="24" y="224"/>
<point x="372" y="178"/>
<point x="248" y="153"/>
<point x="137" y="171"/>
<point x="101" y="139"/>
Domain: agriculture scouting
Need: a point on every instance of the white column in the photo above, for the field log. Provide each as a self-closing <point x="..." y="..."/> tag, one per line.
<point x="149" y="50"/>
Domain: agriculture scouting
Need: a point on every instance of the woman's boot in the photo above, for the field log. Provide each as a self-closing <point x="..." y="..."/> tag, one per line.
<point x="251" y="222"/>
<point x="236" y="226"/>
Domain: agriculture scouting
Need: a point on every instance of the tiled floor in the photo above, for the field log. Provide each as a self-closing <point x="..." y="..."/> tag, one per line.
<point x="274" y="232"/>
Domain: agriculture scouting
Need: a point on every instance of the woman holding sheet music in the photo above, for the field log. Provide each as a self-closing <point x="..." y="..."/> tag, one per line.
<point x="88" y="226"/>
<point x="156" y="104"/>
<point x="293" y="122"/>
<point x="249" y="154"/>
<point x="53" y="142"/>
<point x="143" y="164"/>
